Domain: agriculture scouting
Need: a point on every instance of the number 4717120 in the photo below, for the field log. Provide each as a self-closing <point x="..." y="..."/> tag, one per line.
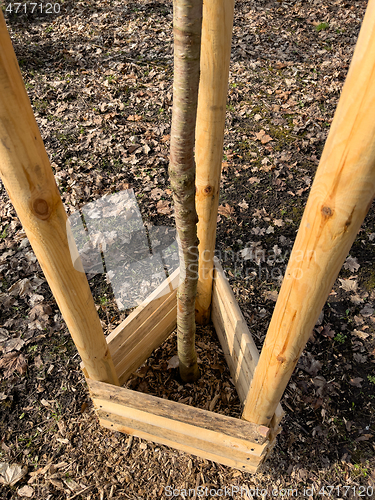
<point x="347" y="491"/>
<point x="19" y="8"/>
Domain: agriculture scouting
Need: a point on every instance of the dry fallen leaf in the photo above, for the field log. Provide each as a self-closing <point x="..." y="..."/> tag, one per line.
<point x="134" y="118"/>
<point x="279" y="64"/>
<point x="4" y="334"/>
<point x="260" y="213"/>
<point x="309" y="364"/>
<point x="260" y="134"/>
<point x="254" y="180"/>
<point x="11" y="474"/>
<point x="351" y="264"/>
<point x="359" y="358"/>
<point x="40" y="311"/>
<point x="327" y="332"/>
<point x="146" y="149"/>
<point x="157" y="193"/>
<point x="361" y="335"/>
<point x="21" y="287"/>
<point x="365" y="437"/>
<point x="258" y="231"/>
<point x="271" y="295"/>
<point x="367" y="311"/>
<point x="38" y="361"/>
<point x="58" y="484"/>
<point x="320" y="382"/>
<point x="356" y="299"/>
<point x="133" y="148"/>
<point x="163" y="207"/>
<point x="348" y="285"/>
<point x="356" y="382"/>
<point x="226" y="210"/>
<point x="263" y="137"/>
<point x="35" y="299"/>
<point x="13" y="362"/>
<point x="173" y="362"/>
<point x="26" y="491"/>
<point x="243" y="205"/>
<point x="14" y="344"/>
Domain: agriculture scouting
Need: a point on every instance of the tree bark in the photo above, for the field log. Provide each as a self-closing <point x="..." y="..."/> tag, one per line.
<point x="187" y="25"/>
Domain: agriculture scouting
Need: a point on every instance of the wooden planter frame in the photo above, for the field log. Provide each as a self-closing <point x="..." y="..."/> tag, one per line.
<point x="227" y="440"/>
<point x="341" y="194"/>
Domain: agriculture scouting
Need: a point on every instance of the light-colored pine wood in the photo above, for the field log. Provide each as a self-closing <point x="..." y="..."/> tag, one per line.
<point x="152" y="333"/>
<point x="202" y="431"/>
<point x="189" y="430"/>
<point x="236" y="341"/>
<point x="205" y="434"/>
<point x="132" y="342"/>
<point x="235" y="338"/>
<point x="142" y="314"/>
<point x="340" y="197"/>
<point x="235" y="347"/>
<point x="178" y="412"/>
<point x="28" y="178"/>
<point x="134" y="339"/>
<point x="213" y="88"/>
<point x="239" y="370"/>
<point x="160" y="436"/>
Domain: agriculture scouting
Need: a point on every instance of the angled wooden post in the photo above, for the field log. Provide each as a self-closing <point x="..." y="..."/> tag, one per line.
<point x="213" y="89"/>
<point x="28" y="178"/>
<point x="340" y="197"/>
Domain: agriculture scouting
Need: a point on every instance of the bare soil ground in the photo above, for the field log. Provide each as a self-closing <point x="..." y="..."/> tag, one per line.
<point x="99" y="77"/>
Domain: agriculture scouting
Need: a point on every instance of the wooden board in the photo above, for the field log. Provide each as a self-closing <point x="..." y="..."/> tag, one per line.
<point x="236" y="341"/>
<point x="132" y="342"/>
<point x="142" y="313"/>
<point x="217" y="437"/>
<point x="119" y="424"/>
<point x="146" y="339"/>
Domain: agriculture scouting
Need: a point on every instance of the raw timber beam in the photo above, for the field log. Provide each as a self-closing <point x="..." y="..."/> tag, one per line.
<point x="28" y="178"/>
<point x="237" y="343"/>
<point x="340" y="197"/>
<point x="133" y="340"/>
<point x="213" y="89"/>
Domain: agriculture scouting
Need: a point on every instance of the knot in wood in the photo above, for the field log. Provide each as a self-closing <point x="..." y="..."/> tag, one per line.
<point x="281" y="359"/>
<point x="41" y="208"/>
<point x="327" y="212"/>
<point x="208" y="189"/>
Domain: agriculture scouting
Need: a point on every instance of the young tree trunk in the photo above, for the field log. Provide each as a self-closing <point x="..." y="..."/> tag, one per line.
<point x="187" y="24"/>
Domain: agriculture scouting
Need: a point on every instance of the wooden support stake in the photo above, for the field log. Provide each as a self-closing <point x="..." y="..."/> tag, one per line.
<point x="340" y="197"/>
<point x="213" y="88"/>
<point x="28" y="178"/>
